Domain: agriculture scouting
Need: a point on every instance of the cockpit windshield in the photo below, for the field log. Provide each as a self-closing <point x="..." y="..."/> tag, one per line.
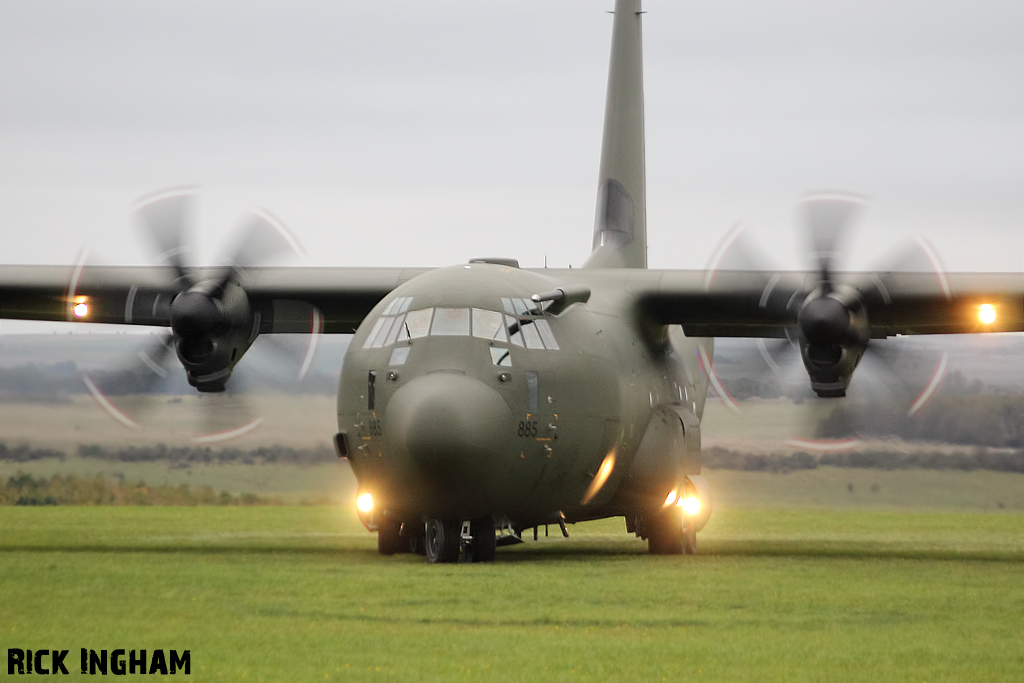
<point x="522" y="324"/>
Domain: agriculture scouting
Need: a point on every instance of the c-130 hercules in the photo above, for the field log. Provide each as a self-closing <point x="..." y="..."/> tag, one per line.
<point x="481" y="400"/>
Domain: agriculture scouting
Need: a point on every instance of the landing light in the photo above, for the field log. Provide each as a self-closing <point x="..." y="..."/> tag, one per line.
<point x="80" y="309"/>
<point x="987" y="314"/>
<point x="364" y="502"/>
<point x="671" y="498"/>
<point x="691" y="505"/>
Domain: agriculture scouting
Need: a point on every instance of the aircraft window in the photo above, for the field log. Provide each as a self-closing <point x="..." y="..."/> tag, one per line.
<point x="520" y="306"/>
<point x="507" y="304"/>
<point x="395" y="328"/>
<point x="487" y="325"/>
<point x="398" y="305"/>
<point x="500" y="356"/>
<point x="531" y="335"/>
<point x="371" y="390"/>
<point x="399" y="356"/>
<point x="417" y="323"/>
<point x="450" y="322"/>
<point x="515" y="334"/>
<point x="382" y="333"/>
<point x="373" y="332"/>
<point x="546" y="334"/>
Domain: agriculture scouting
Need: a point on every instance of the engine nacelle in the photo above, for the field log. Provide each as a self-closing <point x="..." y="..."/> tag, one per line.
<point x="211" y="333"/>
<point x="834" y="332"/>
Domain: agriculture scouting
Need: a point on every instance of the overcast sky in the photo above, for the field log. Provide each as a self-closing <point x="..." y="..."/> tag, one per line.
<point x="403" y="132"/>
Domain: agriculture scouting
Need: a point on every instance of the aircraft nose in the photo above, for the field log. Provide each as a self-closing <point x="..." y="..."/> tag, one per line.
<point x="451" y="430"/>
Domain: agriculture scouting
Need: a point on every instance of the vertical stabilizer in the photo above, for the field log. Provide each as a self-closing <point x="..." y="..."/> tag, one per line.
<point x="620" y="225"/>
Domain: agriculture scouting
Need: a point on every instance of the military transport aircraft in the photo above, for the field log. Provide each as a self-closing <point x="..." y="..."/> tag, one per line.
<point x="482" y="400"/>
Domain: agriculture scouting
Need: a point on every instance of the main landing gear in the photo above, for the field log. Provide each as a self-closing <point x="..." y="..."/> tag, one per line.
<point x="666" y="534"/>
<point x="445" y="539"/>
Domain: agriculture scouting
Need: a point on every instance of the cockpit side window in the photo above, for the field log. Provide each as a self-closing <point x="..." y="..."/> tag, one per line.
<point x="395" y="329"/>
<point x="531" y="335"/>
<point x="373" y="332"/>
<point x="514" y="332"/>
<point x="417" y="324"/>
<point x="546" y="334"/>
<point x="500" y="356"/>
<point x="488" y="325"/>
<point x="382" y="333"/>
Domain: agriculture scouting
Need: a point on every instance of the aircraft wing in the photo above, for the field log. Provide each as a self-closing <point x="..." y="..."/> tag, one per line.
<point x="141" y="295"/>
<point x="763" y="304"/>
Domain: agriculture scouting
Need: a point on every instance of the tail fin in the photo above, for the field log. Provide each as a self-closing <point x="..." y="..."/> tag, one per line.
<point x="620" y="226"/>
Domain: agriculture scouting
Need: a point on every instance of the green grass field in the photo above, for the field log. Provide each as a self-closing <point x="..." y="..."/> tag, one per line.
<point x="299" y="593"/>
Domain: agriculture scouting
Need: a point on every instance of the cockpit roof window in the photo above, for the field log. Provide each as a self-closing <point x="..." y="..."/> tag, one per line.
<point x="398" y="305"/>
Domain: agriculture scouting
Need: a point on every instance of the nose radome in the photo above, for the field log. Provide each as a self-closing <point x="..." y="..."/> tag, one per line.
<point x="449" y="425"/>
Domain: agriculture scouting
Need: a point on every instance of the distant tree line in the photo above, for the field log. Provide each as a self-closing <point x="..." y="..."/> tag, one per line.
<point x="181" y="456"/>
<point x="25" y="453"/>
<point x="58" y="382"/>
<point x="24" y="489"/>
<point x="188" y="455"/>
<point x="994" y="420"/>
<point x="979" y="459"/>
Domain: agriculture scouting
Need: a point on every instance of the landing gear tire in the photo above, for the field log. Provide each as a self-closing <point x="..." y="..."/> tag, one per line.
<point x="389" y="538"/>
<point x="484" y="543"/>
<point x="689" y="542"/>
<point x="442" y="541"/>
<point x="415" y="539"/>
<point x="665" y="532"/>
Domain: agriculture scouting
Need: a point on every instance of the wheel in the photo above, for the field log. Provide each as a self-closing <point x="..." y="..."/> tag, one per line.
<point x="414" y="538"/>
<point x="665" y="532"/>
<point x="442" y="541"/>
<point x="690" y="542"/>
<point x="389" y="538"/>
<point x="484" y="543"/>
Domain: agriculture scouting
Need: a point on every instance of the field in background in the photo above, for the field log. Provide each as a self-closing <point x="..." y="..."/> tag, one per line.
<point x="825" y="487"/>
<point x="294" y="593"/>
<point x="307" y="421"/>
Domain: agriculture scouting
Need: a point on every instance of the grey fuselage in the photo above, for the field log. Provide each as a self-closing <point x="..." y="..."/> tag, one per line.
<point x="445" y="425"/>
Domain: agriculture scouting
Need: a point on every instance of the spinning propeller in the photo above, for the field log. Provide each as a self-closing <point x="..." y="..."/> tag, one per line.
<point x="212" y="323"/>
<point x="828" y="324"/>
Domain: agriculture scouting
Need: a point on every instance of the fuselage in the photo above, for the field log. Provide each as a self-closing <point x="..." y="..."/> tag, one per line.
<point x="461" y="398"/>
